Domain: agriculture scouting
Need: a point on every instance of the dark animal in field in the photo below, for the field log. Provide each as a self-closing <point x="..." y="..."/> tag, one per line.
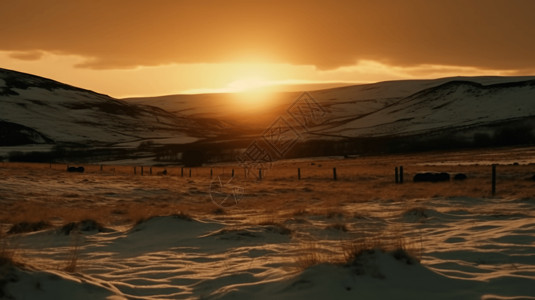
<point x="164" y="172"/>
<point x="431" y="177"/>
<point x="75" y="169"/>
<point x="460" y="176"/>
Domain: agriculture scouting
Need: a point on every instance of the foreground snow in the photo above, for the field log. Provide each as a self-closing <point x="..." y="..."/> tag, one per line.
<point x="472" y="248"/>
<point x="286" y="239"/>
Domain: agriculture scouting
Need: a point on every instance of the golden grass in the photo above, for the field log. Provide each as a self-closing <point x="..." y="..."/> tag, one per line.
<point x="338" y="226"/>
<point x="311" y="254"/>
<point x="6" y="254"/>
<point x="276" y="226"/>
<point x="74" y="254"/>
<point x="9" y="258"/>
<point x="349" y="252"/>
<point x="279" y="194"/>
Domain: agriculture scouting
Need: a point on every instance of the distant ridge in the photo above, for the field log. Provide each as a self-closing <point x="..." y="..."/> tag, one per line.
<point x="383" y="117"/>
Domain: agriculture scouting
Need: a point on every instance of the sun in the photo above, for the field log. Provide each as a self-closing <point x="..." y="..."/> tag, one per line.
<point x="248" y="85"/>
<point x="251" y="93"/>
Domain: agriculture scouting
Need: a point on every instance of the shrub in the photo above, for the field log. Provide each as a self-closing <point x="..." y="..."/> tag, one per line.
<point x="85" y="225"/>
<point x="74" y="255"/>
<point x="309" y="256"/>
<point x="338" y="226"/>
<point x="23" y="227"/>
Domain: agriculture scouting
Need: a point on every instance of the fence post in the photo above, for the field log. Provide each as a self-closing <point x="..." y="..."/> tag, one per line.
<point x="211" y="173"/>
<point x="334" y="174"/>
<point x="397" y="175"/>
<point x="189" y="172"/>
<point x="232" y="173"/>
<point x="141" y="170"/>
<point x="493" y="179"/>
<point x="181" y="172"/>
<point x="260" y="174"/>
<point x="150" y="171"/>
<point x="401" y="174"/>
<point x="298" y="173"/>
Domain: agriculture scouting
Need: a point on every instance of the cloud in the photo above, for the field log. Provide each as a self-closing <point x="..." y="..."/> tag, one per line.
<point x="27" y="55"/>
<point x="326" y="34"/>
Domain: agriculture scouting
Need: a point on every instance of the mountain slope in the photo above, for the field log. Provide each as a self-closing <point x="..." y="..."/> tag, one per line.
<point x="473" y="111"/>
<point x="390" y="108"/>
<point x="449" y="105"/>
<point x="64" y="114"/>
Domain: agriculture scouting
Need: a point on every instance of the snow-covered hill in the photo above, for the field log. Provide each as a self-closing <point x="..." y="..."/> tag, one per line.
<point x="392" y="108"/>
<point x="35" y="110"/>
<point x="453" y="104"/>
<point x="39" y="110"/>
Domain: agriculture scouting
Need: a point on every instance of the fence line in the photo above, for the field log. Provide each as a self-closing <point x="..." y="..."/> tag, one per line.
<point x="310" y="173"/>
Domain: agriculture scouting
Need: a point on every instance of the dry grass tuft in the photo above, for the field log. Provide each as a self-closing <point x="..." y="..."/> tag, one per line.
<point x="179" y="215"/>
<point x="338" y="226"/>
<point x="24" y="227"/>
<point x="7" y="266"/>
<point x="300" y="212"/>
<point x="419" y="212"/>
<point x="219" y="211"/>
<point x="276" y="227"/>
<point x="397" y="247"/>
<point x="6" y="254"/>
<point x="183" y="216"/>
<point x="74" y="255"/>
<point x="335" y="214"/>
<point x="310" y="255"/>
<point x="84" y="225"/>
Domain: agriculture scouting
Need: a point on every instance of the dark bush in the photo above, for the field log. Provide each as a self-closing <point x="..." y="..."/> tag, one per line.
<point x="23" y="227"/>
<point x="431" y="177"/>
<point x="460" y="176"/>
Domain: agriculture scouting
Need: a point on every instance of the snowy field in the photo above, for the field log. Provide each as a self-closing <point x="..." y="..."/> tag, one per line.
<point x="162" y="237"/>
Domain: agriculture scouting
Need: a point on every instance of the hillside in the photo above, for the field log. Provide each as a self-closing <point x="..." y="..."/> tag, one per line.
<point x="39" y="110"/>
<point x="473" y="111"/>
<point x="454" y="104"/>
<point x="393" y="116"/>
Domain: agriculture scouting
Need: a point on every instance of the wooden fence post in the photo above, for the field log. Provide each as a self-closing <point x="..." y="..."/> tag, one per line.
<point x="141" y="170"/>
<point x="334" y="174"/>
<point x="401" y="174"/>
<point x="298" y="173"/>
<point x="493" y="179"/>
<point x="189" y="172"/>
<point x="260" y="174"/>
<point x="181" y="172"/>
<point x="232" y="173"/>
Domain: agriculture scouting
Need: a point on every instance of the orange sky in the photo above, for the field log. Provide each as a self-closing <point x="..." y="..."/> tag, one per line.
<point x="126" y="48"/>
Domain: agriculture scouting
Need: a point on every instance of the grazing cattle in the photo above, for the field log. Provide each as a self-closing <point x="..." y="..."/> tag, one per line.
<point x="164" y="172"/>
<point x="431" y="177"/>
<point x="460" y="176"/>
<point x="75" y="169"/>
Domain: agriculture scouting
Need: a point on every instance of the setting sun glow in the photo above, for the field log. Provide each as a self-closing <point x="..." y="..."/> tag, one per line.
<point x="181" y="47"/>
